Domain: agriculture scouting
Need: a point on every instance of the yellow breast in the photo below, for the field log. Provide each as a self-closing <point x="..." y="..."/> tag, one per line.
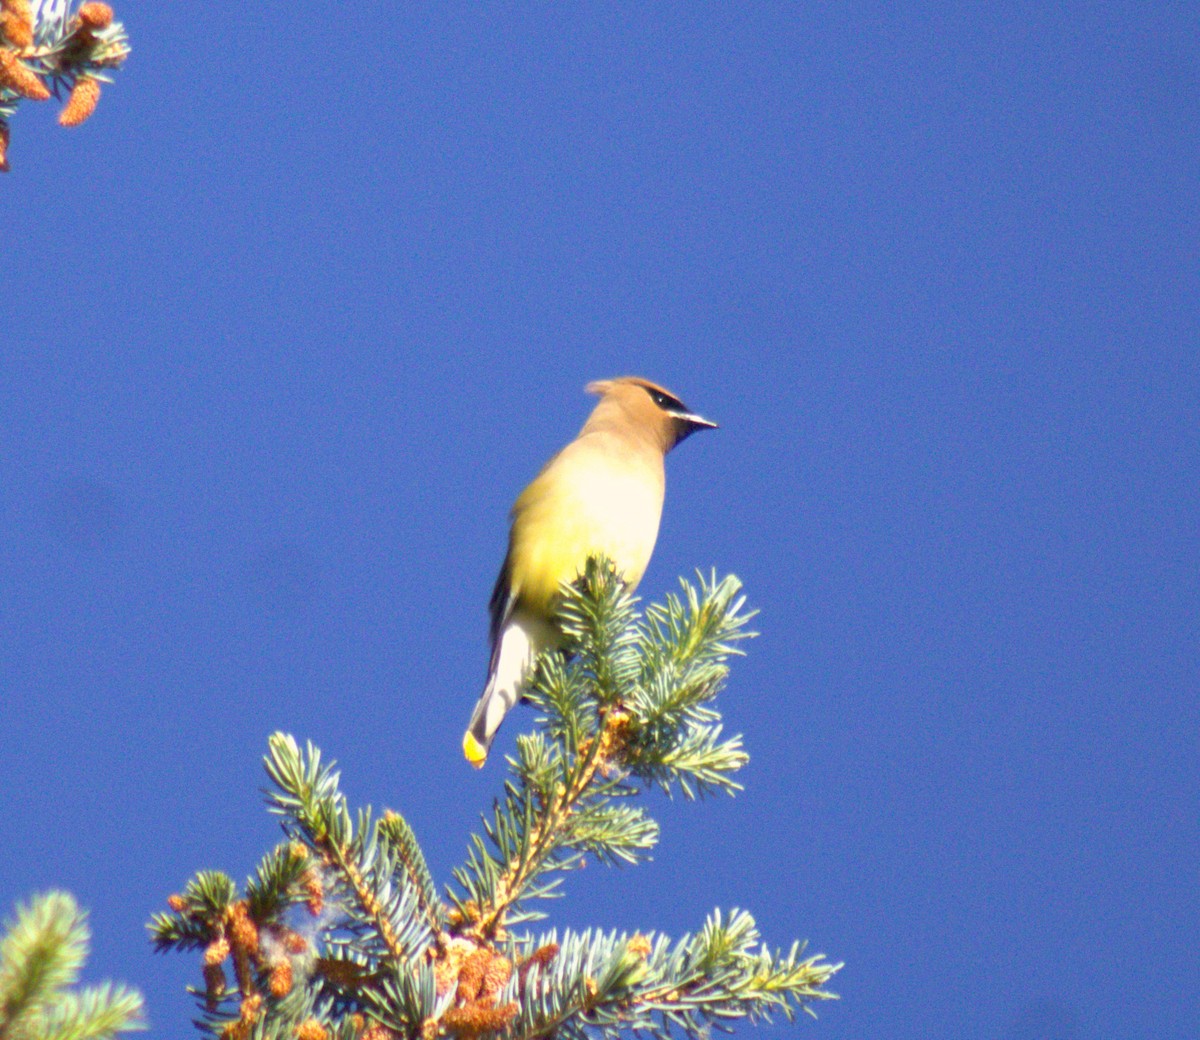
<point x="584" y="503"/>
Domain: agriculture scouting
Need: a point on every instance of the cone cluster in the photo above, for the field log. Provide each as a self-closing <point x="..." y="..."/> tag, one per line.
<point x="35" y="70"/>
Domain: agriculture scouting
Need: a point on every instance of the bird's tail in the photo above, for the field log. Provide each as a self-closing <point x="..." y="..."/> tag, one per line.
<point x="516" y="650"/>
<point x="489" y="712"/>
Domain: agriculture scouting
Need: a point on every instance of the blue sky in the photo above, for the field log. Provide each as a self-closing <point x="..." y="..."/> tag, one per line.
<point x="291" y="320"/>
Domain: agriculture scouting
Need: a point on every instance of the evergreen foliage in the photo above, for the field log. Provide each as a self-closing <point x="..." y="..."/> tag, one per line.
<point x="342" y="932"/>
<point x="48" y="48"/>
<point x="41" y="955"/>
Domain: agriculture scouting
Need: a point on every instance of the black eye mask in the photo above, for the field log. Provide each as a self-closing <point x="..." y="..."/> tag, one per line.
<point x="667" y="403"/>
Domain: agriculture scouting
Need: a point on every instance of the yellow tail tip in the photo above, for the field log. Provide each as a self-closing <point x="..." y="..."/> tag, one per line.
<point x="476" y="753"/>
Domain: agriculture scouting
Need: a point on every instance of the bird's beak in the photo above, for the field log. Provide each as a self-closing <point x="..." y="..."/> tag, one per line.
<point x="696" y="422"/>
<point x="686" y="424"/>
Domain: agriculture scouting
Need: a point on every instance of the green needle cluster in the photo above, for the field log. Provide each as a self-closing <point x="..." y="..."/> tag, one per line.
<point x="343" y="933"/>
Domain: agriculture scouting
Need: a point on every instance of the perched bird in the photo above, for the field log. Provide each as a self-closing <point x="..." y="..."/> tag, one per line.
<point x="601" y="495"/>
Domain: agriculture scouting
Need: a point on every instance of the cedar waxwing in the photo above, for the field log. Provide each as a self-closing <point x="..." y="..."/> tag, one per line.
<point x="602" y="494"/>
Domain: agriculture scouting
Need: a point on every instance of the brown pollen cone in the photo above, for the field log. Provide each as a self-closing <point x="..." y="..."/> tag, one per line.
<point x="314" y="889"/>
<point x="95" y="16"/>
<point x="19" y="78"/>
<point x="495" y="977"/>
<point x="481" y="975"/>
<point x="477" y="1019"/>
<point x="251" y="1012"/>
<point x="82" y="102"/>
<point x="16" y="22"/>
<point x="540" y="957"/>
<point x="280" y="982"/>
<point x="470" y="977"/>
<point x="294" y="942"/>
<point x="16" y="30"/>
<point x="3" y="148"/>
<point x="217" y="951"/>
<point x="243" y="932"/>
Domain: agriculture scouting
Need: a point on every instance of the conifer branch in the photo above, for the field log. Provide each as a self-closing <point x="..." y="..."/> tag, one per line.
<point x="41" y="955"/>
<point x="548" y="837"/>
<point x="47" y="50"/>
<point x="633" y="703"/>
<point x="315" y="813"/>
<point x="394" y="829"/>
<point x="341" y="932"/>
<point x="613" y="983"/>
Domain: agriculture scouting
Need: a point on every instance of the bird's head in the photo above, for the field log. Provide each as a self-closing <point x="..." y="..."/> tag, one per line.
<point x="649" y="409"/>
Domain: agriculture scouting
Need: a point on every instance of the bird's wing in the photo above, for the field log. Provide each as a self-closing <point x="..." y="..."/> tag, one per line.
<point x="500" y="606"/>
